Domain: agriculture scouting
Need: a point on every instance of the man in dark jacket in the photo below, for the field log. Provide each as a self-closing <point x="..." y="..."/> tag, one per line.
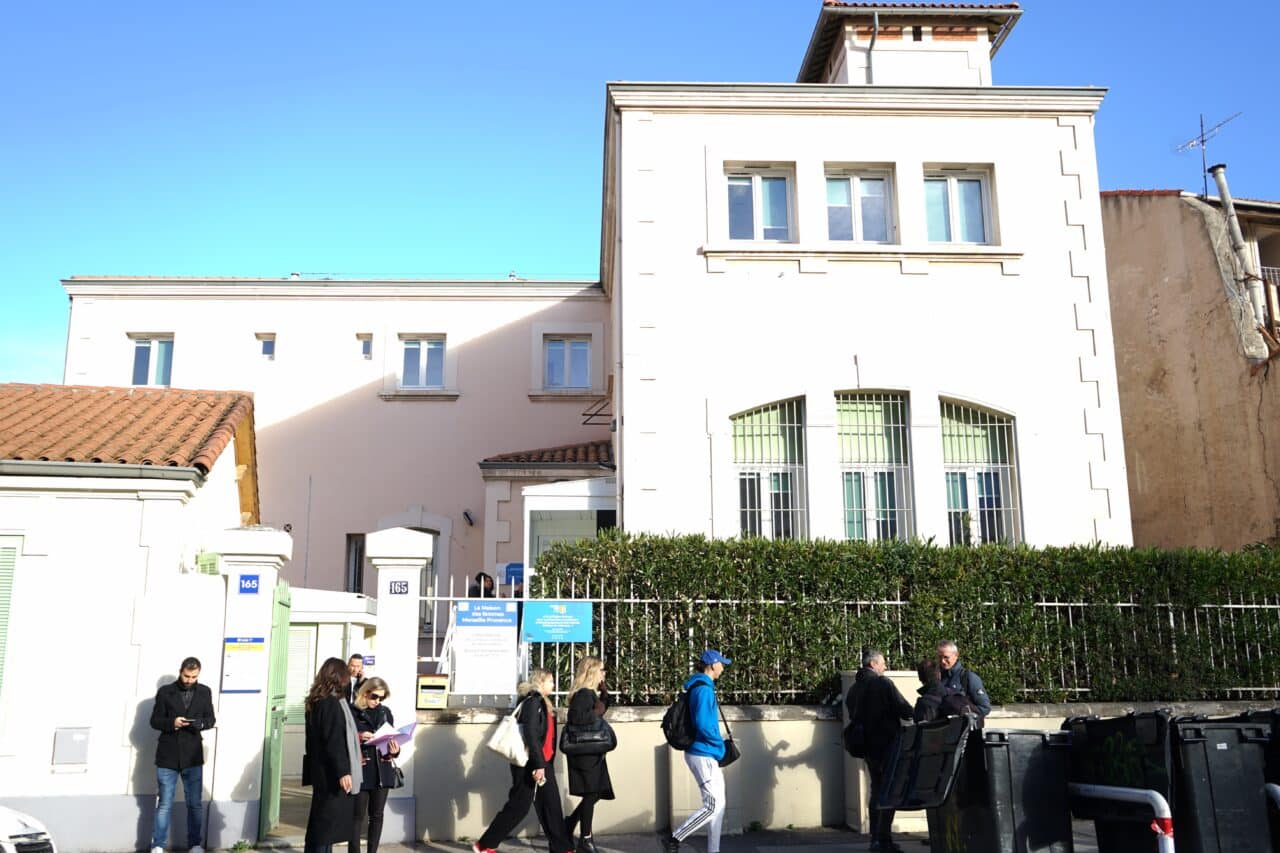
<point x="936" y="699"/>
<point x="355" y="673"/>
<point x="182" y="710"/>
<point x="956" y="677"/>
<point x="877" y="703"/>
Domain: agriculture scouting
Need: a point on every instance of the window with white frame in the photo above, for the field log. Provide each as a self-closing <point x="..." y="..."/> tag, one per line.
<point x="859" y="206"/>
<point x="760" y="205"/>
<point x="267" y="345"/>
<point x="980" y="462"/>
<point x="875" y="465"/>
<point x="152" y="359"/>
<point x="422" y="365"/>
<point x="769" y="457"/>
<point x="566" y="361"/>
<point x="958" y="206"/>
<point x="366" y="345"/>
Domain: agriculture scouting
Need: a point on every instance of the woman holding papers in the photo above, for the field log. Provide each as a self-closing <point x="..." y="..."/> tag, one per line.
<point x="379" y="775"/>
<point x="332" y="755"/>
<point x="534" y="783"/>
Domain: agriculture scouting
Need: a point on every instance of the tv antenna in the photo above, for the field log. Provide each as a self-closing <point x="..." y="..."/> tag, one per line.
<point x="1202" y="142"/>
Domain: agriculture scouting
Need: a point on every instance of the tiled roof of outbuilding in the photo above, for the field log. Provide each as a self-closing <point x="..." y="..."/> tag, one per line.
<point x="849" y="3"/>
<point x="132" y="426"/>
<point x="586" y="453"/>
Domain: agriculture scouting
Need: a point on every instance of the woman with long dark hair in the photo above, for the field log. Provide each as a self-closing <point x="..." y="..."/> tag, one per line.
<point x="378" y="774"/>
<point x="332" y="753"/>
<point x="588" y="774"/>
<point x="534" y="783"/>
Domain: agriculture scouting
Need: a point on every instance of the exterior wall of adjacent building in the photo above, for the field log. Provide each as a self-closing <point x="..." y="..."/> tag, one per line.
<point x="341" y="449"/>
<point x="114" y="559"/>
<point x="1203" y="458"/>
<point x="710" y="327"/>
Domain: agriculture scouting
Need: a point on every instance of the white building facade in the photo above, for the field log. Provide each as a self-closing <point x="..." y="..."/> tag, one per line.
<point x="864" y="311"/>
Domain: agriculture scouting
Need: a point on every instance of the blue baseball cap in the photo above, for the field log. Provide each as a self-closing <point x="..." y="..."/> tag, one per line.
<point x="711" y="656"/>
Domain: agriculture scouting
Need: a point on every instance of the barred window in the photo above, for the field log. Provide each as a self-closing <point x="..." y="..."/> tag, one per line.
<point x="875" y="463"/>
<point x="769" y="453"/>
<point x="980" y="460"/>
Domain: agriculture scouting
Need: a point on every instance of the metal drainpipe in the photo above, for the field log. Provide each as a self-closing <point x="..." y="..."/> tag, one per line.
<point x="1252" y="279"/>
<point x="875" y="31"/>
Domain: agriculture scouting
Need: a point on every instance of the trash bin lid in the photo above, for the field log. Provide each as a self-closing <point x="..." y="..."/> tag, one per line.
<point x="923" y="766"/>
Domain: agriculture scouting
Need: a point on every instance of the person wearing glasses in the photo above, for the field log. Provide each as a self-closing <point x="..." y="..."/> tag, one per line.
<point x="379" y="771"/>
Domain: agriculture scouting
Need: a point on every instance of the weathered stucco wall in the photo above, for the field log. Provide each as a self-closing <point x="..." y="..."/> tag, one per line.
<point x="1199" y="431"/>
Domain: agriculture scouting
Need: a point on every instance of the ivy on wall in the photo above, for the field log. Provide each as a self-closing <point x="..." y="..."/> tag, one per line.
<point x="1039" y="625"/>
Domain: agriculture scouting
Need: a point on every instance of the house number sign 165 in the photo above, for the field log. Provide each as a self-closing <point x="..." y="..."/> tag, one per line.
<point x="399" y="587"/>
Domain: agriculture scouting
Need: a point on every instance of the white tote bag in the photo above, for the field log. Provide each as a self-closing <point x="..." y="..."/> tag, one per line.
<point x="508" y="742"/>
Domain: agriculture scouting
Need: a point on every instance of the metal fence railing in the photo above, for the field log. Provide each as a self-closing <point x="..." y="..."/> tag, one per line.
<point x="1060" y="650"/>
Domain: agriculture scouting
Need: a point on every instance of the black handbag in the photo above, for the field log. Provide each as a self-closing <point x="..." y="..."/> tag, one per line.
<point x="389" y="773"/>
<point x="731" y="751"/>
<point x="596" y="738"/>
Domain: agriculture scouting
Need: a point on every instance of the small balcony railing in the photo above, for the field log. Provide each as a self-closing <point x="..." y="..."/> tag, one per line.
<point x="1271" y="275"/>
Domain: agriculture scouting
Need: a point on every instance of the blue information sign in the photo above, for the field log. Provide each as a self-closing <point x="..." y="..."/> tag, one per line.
<point x="249" y="584"/>
<point x="513" y="573"/>
<point x="486" y="614"/>
<point x="556" y="622"/>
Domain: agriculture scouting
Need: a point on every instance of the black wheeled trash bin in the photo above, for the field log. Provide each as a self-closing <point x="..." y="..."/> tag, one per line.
<point x="992" y="791"/>
<point x="1221" y="778"/>
<point x="1133" y="751"/>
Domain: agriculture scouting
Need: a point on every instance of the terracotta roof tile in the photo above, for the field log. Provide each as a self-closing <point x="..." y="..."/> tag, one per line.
<point x="587" y="453"/>
<point x="1116" y="193"/>
<point x="133" y="426"/>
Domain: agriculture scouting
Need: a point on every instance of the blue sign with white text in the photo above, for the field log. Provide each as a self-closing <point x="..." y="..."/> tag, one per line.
<point x="513" y="573"/>
<point x="248" y="584"/>
<point x="556" y="622"/>
<point x="486" y="614"/>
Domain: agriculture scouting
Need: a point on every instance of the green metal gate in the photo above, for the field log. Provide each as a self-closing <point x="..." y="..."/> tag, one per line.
<point x="273" y="740"/>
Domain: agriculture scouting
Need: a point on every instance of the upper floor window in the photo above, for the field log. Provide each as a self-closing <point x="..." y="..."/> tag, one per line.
<point x="366" y="345"/>
<point x="769" y="454"/>
<point x="980" y="461"/>
<point x="423" y="362"/>
<point x="873" y="429"/>
<point x="958" y="206"/>
<point x="152" y="360"/>
<point x="859" y="207"/>
<point x="759" y="204"/>
<point x="267" y="344"/>
<point x="566" y="362"/>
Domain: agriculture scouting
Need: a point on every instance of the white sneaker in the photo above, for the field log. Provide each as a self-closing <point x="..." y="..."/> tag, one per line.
<point x="197" y="849"/>
<point x="157" y="850"/>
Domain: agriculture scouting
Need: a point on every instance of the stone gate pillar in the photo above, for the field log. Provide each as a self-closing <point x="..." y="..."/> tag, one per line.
<point x="251" y="558"/>
<point x="398" y="556"/>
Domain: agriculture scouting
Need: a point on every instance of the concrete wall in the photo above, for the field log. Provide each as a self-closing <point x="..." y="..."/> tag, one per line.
<point x="711" y="327"/>
<point x="335" y="457"/>
<point x="1203" y="459"/>
<point x="101" y="616"/>
<point x="792" y="772"/>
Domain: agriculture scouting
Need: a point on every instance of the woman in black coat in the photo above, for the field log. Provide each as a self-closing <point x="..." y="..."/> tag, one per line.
<point x="535" y="782"/>
<point x="378" y="774"/>
<point x="588" y="774"/>
<point x="332" y="752"/>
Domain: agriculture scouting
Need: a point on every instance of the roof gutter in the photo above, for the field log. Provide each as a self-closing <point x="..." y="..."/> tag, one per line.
<point x="110" y="470"/>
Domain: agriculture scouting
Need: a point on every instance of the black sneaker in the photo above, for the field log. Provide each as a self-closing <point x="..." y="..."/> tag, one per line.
<point x="670" y="844"/>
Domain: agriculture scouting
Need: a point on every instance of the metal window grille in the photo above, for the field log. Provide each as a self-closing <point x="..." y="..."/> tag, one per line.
<point x="980" y="458"/>
<point x="769" y="454"/>
<point x="1271" y="275"/>
<point x="875" y="461"/>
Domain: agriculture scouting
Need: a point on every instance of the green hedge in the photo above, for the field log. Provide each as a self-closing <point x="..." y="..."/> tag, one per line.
<point x="1142" y="625"/>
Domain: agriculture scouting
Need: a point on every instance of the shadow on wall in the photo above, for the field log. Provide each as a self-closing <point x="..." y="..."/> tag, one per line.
<point x="348" y="443"/>
<point x="229" y="822"/>
<point x="142" y="780"/>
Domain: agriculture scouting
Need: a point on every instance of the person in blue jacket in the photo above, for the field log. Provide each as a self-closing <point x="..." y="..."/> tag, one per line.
<point x="704" y="754"/>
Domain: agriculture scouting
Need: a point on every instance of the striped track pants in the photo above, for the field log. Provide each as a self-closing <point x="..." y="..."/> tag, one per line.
<point x="710" y="778"/>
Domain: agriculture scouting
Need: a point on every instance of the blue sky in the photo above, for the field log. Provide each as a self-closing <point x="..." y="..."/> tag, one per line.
<point x="430" y="139"/>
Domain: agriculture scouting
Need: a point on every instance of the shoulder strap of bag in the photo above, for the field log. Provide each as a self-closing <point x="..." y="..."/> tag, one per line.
<point x="728" y="730"/>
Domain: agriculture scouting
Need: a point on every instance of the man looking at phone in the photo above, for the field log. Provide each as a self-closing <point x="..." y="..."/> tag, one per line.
<point x="183" y="709"/>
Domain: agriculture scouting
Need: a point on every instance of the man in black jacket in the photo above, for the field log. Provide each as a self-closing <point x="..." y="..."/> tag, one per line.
<point x="956" y="677"/>
<point x="876" y="703"/>
<point x="355" y="671"/>
<point x="183" y="709"/>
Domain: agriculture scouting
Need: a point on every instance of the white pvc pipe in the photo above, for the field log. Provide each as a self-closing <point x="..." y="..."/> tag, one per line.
<point x="1274" y="790"/>
<point x="1162" y="826"/>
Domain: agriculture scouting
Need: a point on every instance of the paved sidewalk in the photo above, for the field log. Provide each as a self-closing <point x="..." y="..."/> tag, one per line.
<point x="820" y="840"/>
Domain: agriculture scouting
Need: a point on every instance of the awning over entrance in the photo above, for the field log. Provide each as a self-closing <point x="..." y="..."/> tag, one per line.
<point x="566" y="512"/>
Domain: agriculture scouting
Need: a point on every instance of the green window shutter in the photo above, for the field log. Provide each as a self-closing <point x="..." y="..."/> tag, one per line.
<point x="8" y="561"/>
<point x="207" y="562"/>
<point x="300" y="671"/>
